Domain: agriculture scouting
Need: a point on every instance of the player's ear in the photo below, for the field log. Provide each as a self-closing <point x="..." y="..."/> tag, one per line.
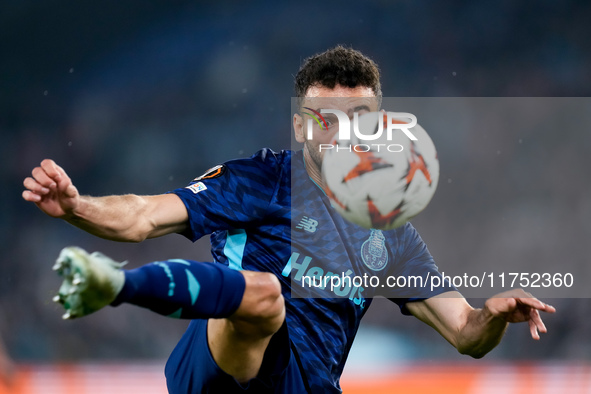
<point x="298" y="126"/>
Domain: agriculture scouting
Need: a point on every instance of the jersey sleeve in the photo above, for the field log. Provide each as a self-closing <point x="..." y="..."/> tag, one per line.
<point x="418" y="267"/>
<point x="233" y="195"/>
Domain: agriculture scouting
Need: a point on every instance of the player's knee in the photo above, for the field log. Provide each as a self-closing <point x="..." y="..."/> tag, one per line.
<point x="262" y="303"/>
<point x="266" y="291"/>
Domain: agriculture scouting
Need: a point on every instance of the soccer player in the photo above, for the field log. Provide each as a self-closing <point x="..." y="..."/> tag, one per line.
<point x="249" y="332"/>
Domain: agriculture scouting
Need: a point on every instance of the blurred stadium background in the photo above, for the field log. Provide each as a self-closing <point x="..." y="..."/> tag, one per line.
<point x="141" y="97"/>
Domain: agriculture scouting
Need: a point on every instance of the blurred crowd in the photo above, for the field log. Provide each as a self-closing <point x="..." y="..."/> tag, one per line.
<point x="137" y="98"/>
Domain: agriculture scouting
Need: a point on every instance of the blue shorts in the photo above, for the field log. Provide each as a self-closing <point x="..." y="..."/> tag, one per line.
<point x="191" y="369"/>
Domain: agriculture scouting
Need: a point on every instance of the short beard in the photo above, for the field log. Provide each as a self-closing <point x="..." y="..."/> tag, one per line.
<point x="314" y="153"/>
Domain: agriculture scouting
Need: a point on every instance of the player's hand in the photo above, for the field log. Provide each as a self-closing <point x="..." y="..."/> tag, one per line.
<point x="51" y="190"/>
<point x="517" y="306"/>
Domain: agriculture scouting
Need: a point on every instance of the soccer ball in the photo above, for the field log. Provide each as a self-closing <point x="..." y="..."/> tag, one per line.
<point x="380" y="183"/>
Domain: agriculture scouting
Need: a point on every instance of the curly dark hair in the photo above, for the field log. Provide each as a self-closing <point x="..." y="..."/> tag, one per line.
<point x="338" y="66"/>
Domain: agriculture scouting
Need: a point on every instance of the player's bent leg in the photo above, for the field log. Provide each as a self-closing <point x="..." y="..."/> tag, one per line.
<point x="245" y="308"/>
<point x="238" y="343"/>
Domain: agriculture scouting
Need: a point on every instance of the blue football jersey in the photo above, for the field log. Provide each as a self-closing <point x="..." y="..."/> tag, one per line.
<point x="266" y="214"/>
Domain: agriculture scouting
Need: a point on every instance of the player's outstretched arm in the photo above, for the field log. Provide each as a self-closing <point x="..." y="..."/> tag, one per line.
<point x="477" y="331"/>
<point x="128" y="218"/>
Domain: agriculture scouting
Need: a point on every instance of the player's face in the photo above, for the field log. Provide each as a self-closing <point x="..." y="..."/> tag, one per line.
<point x="360" y="99"/>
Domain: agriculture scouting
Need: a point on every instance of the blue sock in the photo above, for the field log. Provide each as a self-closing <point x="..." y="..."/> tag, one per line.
<point x="184" y="289"/>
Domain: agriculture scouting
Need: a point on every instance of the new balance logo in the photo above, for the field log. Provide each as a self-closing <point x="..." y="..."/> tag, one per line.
<point x="307" y="224"/>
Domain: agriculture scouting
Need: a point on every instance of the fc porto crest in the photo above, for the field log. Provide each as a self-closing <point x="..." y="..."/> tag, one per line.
<point x="373" y="251"/>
